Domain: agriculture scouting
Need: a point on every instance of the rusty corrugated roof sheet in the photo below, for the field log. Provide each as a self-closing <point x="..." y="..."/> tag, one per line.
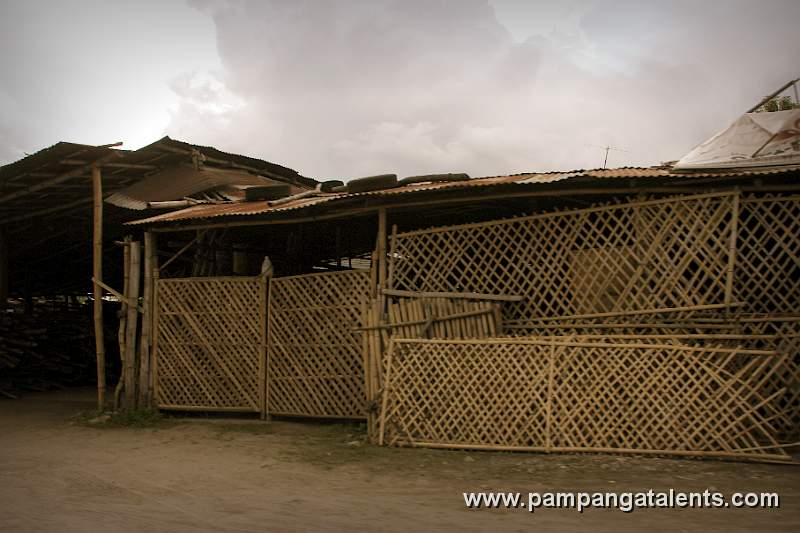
<point x="533" y="178"/>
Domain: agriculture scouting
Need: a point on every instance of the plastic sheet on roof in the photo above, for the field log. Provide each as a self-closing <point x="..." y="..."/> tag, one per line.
<point x="754" y="140"/>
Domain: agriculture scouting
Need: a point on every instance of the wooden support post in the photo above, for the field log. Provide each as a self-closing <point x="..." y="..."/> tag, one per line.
<point x="147" y="322"/>
<point x="132" y="322"/>
<point x="97" y="273"/>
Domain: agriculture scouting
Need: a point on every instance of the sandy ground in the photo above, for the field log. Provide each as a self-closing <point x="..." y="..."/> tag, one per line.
<point x="234" y="475"/>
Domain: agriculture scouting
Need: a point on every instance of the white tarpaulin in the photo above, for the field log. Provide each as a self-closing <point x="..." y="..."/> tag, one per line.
<point x="754" y="140"/>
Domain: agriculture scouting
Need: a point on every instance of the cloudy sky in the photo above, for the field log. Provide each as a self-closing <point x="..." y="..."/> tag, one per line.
<point x="358" y="87"/>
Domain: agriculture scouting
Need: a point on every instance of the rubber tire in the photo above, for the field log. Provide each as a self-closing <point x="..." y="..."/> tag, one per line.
<point x="372" y="183"/>
<point x="328" y="186"/>
<point x="433" y="178"/>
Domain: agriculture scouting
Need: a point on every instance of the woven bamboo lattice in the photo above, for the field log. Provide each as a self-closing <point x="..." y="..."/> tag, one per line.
<point x="210" y="343"/>
<point x="656" y="254"/>
<point x="768" y="255"/>
<point x="315" y="360"/>
<point x="512" y="394"/>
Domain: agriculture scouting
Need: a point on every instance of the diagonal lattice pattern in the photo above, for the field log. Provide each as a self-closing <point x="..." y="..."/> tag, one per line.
<point x="315" y="360"/>
<point x="652" y="254"/>
<point x="210" y="343"/>
<point x="543" y="395"/>
<point x="768" y="254"/>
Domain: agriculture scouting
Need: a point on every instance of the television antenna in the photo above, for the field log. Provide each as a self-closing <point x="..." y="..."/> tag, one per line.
<point x="607" y="149"/>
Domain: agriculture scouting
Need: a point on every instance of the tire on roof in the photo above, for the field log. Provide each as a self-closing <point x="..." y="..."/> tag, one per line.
<point x="266" y="192"/>
<point x="433" y="178"/>
<point x="329" y="185"/>
<point x="372" y="183"/>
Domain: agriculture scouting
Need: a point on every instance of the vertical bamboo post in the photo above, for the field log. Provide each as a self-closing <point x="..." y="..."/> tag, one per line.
<point x="153" y="384"/>
<point x="123" y="318"/>
<point x="380" y="248"/>
<point x="731" y="274"/>
<point x="263" y="325"/>
<point x="549" y="406"/>
<point x="3" y="268"/>
<point x="97" y="273"/>
<point x="392" y="252"/>
<point x="147" y="322"/>
<point x="385" y="399"/>
<point x="132" y="322"/>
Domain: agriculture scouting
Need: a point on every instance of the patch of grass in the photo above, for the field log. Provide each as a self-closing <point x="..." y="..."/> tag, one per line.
<point x="127" y="418"/>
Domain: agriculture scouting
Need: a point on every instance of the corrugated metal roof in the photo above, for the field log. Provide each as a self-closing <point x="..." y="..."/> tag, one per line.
<point x="533" y="178"/>
<point x="181" y="181"/>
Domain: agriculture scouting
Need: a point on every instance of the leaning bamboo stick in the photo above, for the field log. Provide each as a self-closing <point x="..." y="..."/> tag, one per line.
<point x="416" y="322"/>
<point x="632" y="451"/>
<point x="468" y="295"/>
<point x="518" y="340"/>
<point x="636" y="312"/>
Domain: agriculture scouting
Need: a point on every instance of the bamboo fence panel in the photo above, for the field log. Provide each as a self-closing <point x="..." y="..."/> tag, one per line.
<point x="210" y="340"/>
<point x="535" y="395"/>
<point x="315" y="358"/>
<point x="768" y="258"/>
<point x="655" y="254"/>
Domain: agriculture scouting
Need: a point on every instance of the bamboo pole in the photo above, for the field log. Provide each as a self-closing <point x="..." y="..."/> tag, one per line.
<point x="147" y="322"/>
<point x="731" y="268"/>
<point x="385" y="399"/>
<point x="575" y="449"/>
<point x="3" y="268"/>
<point x="263" y="310"/>
<point x="97" y="273"/>
<point x="468" y="295"/>
<point x="123" y="319"/>
<point x="132" y="323"/>
<point x="380" y="248"/>
<point x="153" y="384"/>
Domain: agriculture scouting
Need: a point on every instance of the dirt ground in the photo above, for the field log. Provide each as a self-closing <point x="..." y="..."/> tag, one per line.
<point x="57" y="474"/>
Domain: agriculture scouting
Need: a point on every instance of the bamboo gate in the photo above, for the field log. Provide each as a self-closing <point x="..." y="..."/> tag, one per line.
<point x="210" y="344"/>
<point x="315" y="363"/>
<point x="213" y="352"/>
